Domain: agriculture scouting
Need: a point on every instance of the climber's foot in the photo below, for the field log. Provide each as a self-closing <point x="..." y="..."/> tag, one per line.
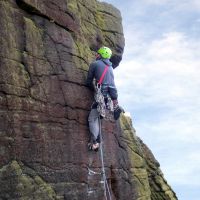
<point x="118" y="110"/>
<point x="90" y="147"/>
<point x="95" y="147"/>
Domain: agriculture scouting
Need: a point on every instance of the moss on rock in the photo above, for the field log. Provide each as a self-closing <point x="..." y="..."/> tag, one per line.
<point x="16" y="183"/>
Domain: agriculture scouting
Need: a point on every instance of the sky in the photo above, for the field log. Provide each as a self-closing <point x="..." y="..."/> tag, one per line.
<point x="158" y="82"/>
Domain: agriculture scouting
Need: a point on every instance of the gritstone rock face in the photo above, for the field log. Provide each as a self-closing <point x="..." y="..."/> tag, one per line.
<point x="46" y="47"/>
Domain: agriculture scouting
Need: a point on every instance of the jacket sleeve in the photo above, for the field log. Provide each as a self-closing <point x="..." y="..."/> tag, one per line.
<point x="113" y="93"/>
<point x="90" y="76"/>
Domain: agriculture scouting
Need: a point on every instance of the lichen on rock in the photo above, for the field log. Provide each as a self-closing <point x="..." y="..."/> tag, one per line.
<point x="47" y="47"/>
<point x="25" y="184"/>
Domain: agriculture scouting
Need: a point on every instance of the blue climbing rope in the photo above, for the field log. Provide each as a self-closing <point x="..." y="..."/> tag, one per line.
<point x="106" y="186"/>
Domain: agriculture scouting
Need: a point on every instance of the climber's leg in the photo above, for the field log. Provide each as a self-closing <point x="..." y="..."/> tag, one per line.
<point x="93" y="120"/>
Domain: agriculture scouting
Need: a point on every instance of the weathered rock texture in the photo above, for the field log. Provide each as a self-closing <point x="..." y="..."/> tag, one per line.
<point x="46" y="47"/>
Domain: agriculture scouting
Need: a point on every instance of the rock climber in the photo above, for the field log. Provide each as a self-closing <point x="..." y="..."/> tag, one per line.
<point x="101" y="69"/>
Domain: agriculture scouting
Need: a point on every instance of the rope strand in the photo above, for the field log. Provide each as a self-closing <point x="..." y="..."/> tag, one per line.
<point x="103" y="167"/>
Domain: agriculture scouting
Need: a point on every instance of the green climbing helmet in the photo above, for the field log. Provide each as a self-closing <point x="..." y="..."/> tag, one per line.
<point x="105" y="52"/>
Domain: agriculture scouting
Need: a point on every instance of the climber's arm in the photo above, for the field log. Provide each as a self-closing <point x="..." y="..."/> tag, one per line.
<point x="113" y="92"/>
<point x="90" y="76"/>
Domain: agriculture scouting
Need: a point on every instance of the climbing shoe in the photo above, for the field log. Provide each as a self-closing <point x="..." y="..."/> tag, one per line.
<point x="117" y="111"/>
<point x="90" y="147"/>
<point x="95" y="147"/>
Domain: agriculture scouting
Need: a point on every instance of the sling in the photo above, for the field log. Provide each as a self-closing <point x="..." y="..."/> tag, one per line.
<point x="103" y="74"/>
